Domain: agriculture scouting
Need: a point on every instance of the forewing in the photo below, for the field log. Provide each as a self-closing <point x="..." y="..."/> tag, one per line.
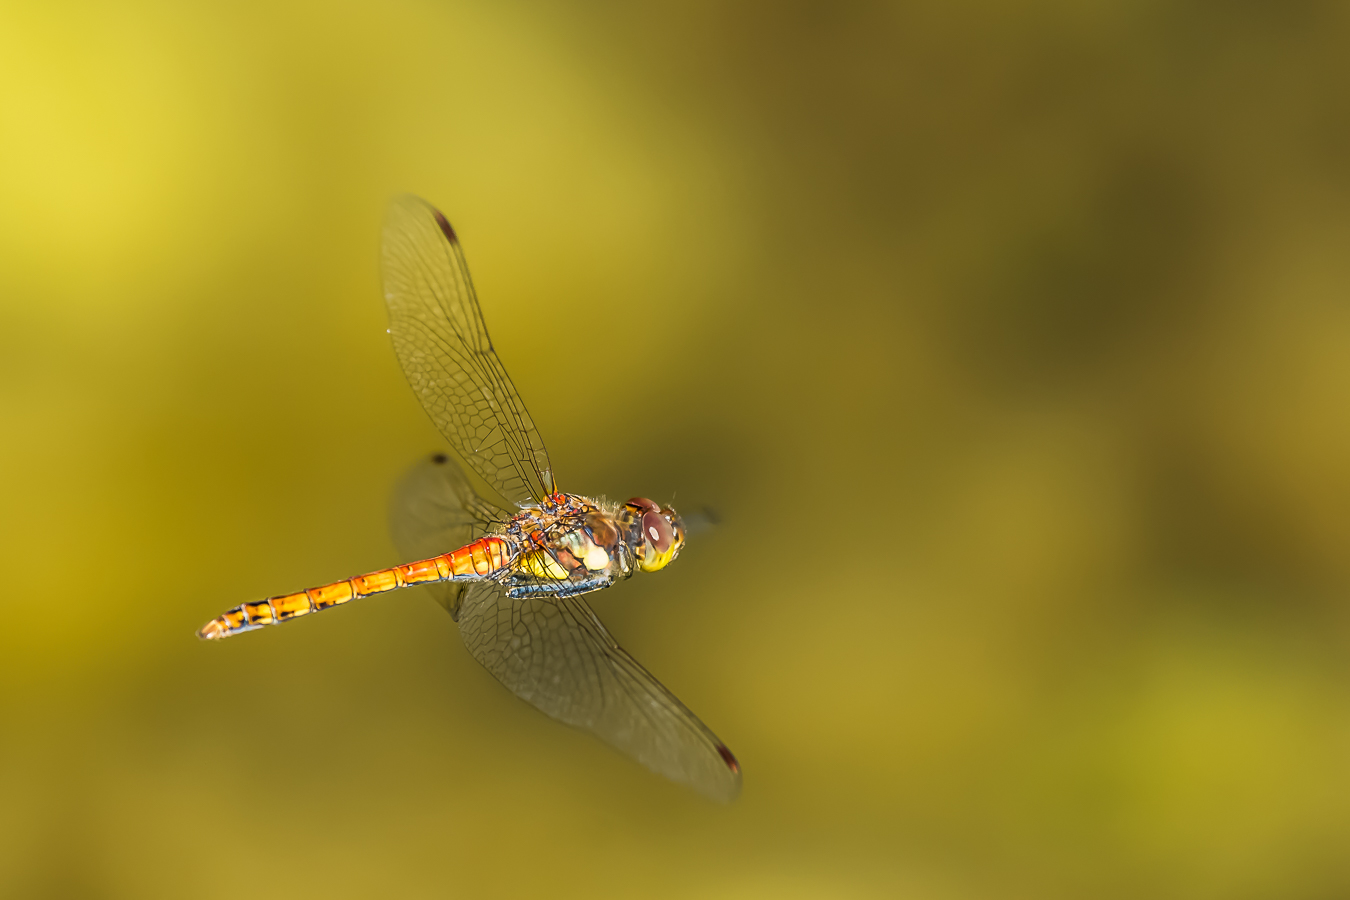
<point x="434" y="510"/>
<point x="555" y="654"/>
<point x="443" y="346"/>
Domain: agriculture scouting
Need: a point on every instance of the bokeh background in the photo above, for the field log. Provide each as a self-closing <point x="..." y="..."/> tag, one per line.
<point x="1010" y="342"/>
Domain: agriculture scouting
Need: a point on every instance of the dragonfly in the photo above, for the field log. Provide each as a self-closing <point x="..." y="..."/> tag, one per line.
<point x="510" y="556"/>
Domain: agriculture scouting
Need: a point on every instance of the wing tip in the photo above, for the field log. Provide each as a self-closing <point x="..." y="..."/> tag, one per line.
<point x="726" y="789"/>
<point x="411" y="204"/>
<point x="446" y="228"/>
<point x="729" y="758"/>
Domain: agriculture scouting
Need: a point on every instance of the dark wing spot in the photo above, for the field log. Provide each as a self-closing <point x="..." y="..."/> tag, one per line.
<point x="440" y="459"/>
<point x="445" y="227"/>
<point x="728" y="758"/>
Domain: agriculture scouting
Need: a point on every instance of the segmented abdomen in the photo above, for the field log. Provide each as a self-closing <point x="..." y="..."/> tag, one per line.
<point x="473" y="562"/>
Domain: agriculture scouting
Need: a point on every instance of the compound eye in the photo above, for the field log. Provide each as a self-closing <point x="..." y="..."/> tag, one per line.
<point x="656" y="529"/>
<point x="643" y="504"/>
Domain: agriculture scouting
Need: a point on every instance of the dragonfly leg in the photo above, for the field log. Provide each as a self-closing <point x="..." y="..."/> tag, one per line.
<point x="556" y="590"/>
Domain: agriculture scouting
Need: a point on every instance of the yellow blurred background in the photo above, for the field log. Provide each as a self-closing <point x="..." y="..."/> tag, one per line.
<point x="1011" y="344"/>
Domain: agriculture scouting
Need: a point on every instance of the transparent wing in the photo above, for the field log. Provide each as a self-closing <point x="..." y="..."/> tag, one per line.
<point x="445" y="352"/>
<point x="435" y="510"/>
<point x="555" y="654"/>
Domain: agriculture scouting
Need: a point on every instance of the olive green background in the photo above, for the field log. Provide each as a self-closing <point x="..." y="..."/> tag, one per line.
<point x="1010" y="342"/>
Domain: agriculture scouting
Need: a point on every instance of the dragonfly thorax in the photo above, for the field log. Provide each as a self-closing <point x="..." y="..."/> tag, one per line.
<point x="567" y="544"/>
<point x="572" y="544"/>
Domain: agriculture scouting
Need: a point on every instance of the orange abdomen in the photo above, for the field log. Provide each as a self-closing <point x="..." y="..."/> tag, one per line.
<point x="473" y="562"/>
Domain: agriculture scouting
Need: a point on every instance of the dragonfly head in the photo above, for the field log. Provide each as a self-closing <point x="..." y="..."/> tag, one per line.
<point x="657" y="533"/>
